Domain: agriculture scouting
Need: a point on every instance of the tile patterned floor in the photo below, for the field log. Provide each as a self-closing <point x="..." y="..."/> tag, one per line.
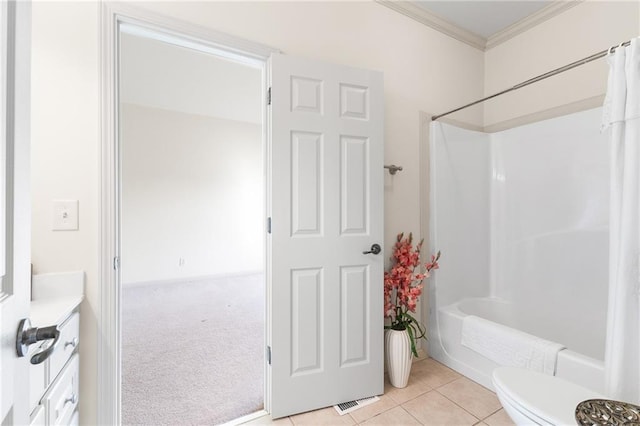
<point x="435" y="395"/>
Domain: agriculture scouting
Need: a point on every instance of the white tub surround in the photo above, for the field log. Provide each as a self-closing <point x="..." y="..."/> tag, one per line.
<point x="521" y="218"/>
<point x="569" y="364"/>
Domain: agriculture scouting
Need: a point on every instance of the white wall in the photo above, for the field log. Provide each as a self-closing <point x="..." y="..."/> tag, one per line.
<point x="162" y="75"/>
<point x="65" y="132"/>
<point x="424" y="71"/>
<point x="587" y="28"/>
<point x="192" y="188"/>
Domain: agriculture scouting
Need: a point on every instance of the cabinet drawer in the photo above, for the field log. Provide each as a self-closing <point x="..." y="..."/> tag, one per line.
<point x="38" y="417"/>
<point x="69" y="338"/>
<point x="62" y="399"/>
<point x="75" y="420"/>
<point x="37" y="381"/>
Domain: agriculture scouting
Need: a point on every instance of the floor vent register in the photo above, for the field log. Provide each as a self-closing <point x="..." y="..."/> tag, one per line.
<point x="347" y="407"/>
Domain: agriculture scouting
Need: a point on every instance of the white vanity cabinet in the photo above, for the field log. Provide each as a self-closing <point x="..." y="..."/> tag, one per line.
<point x="54" y="383"/>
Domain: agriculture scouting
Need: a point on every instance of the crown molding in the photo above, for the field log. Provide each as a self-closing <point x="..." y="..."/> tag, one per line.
<point x="408" y="8"/>
<point x="430" y="19"/>
<point x="544" y="14"/>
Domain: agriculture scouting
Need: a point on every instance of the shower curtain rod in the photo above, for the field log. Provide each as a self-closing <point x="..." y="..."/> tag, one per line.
<point x="538" y="78"/>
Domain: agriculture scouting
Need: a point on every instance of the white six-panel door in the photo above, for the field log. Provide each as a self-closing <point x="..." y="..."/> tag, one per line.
<point x="326" y="158"/>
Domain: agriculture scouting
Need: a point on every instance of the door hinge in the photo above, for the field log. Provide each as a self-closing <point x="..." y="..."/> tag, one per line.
<point x="269" y="225"/>
<point x="269" y="354"/>
<point x="116" y="263"/>
<point x="269" y="96"/>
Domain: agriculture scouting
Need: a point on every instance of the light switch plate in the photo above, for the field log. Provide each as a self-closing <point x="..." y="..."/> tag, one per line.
<point x="65" y="215"/>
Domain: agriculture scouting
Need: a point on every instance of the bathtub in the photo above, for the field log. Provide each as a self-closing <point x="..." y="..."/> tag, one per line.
<point x="585" y="369"/>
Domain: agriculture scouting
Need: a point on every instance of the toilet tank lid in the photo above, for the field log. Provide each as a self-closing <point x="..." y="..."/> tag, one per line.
<point x="548" y="397"/>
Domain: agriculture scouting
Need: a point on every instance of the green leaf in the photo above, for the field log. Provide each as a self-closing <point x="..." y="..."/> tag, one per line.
<point x="412" y="340"/>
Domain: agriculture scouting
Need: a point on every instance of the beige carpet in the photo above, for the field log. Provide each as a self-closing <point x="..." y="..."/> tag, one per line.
<point x="193" y="353"/>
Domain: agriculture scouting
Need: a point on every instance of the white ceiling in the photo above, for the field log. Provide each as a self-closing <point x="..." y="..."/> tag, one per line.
<point x="162" y="75"/>
<point x="482" y="17"/>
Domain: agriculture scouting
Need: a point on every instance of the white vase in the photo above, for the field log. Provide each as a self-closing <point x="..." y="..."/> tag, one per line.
<point x="398" y="356"/>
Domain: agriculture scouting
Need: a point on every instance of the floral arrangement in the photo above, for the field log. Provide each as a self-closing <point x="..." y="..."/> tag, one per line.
<point x="403" y="286"/>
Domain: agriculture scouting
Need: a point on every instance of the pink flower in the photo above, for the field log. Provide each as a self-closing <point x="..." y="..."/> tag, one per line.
<point x="403" y="283"/>
<point x="403" y="286"/>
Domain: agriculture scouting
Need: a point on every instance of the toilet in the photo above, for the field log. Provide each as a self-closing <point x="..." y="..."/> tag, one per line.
<point x="530" y="397"/>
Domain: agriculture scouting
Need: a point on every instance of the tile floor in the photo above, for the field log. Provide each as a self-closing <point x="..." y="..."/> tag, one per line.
<point x="435" y="395"/>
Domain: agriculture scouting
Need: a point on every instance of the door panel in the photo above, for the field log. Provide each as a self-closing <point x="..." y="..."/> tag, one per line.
<point x="354" y="164"/>
<point x="306" y="184"/>
<point x="327" y="209"/>
<point x="306" y="321"/>
<point x="15" y="205"/>
<point x="354" y="313"/>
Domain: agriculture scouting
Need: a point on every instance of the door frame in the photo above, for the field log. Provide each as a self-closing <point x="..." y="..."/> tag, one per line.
<point x="113" y="15"/>
<point x="15" y="203"/>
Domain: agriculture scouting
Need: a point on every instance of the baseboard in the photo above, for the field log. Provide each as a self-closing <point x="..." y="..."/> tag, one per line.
<point x="194" y="279"/>
<point x="422" y="354"/>
<point x="249" y="417"/>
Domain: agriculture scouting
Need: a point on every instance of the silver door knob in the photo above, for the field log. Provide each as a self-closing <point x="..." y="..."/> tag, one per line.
<point x="28" y="335"/>
<point x="375" y="249"/>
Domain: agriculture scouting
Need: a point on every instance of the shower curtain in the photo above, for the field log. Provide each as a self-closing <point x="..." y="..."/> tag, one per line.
<point x="622" y="121"/>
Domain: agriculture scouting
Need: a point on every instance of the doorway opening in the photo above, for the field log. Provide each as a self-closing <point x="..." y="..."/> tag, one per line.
<point x="324" y="187"/>
<point x="192" y="231"/>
